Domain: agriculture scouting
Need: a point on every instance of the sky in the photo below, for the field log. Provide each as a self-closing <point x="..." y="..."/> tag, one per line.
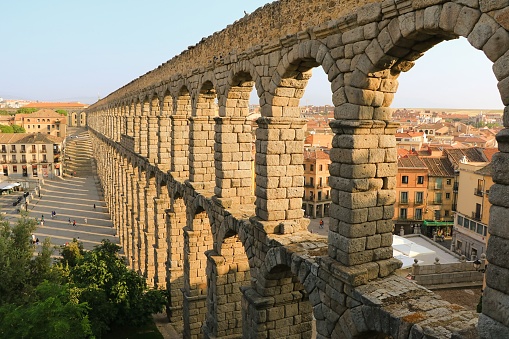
<point x="61" y="50"/>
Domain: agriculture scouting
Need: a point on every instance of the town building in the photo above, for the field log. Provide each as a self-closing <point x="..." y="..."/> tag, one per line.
<point x="439" y="215"/>
<point x="76" y="115"/>
<point x="411" y="193"/>
<point x="43" y="121"/>
<point x="30" y="156"/>
<point x="317" y="198"/>
<point x="472" y="215"/>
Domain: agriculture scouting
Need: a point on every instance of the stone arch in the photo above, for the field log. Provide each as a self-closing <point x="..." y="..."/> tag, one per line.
<point x="284" y="297"/>
<point x="228" y="270"/>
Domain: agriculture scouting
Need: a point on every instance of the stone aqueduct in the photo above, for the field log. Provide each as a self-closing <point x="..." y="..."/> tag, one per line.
<point x="238" y="261"/>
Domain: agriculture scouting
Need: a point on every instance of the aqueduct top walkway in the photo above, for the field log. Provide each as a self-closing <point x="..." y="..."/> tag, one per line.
<point x="234" y="252"/>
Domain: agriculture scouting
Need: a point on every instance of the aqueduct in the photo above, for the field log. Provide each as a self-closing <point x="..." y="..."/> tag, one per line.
<point x="238" y="260"/>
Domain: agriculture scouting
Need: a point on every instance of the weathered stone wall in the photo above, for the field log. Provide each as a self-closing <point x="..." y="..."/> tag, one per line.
<point x="345" y="280"/>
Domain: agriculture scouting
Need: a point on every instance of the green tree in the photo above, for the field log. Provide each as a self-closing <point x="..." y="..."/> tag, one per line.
<point x="25" y="110"/>
<point x="18" y="129"/>
<point x="62" y="111"/>
<point x="115" y="294"/>
<point x="54" y="313"/>
<point x="6" y="129"/>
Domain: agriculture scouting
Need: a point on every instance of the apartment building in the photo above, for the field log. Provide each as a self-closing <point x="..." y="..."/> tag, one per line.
<point x="411" y="193"/>
<point x="30" y="155"/>
<point x="43" y="121"/>
<point x="472" y="215"/>
<point x="439" y="215"/>
<point x="317" y="198"/>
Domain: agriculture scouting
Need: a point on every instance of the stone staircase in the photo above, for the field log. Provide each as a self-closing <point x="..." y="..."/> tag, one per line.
<point x="79" y="151"/>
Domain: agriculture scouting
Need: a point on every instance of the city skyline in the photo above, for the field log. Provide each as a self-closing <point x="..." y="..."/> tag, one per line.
<point x="82" y="52"/>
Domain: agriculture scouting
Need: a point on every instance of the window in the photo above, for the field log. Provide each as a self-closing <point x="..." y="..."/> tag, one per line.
<point x="438" y="183"/>
<point x="23" y="158"/>
<point x="480" y="228"/>
<point x="6" y="171"/>
<point x="304" y="166"/>
<point x="48" y="127"/>
<point x="460" y="220"/>
<point x="34" y="170"/>
<point x="321" y="167"/>
<point x="419" y="197"/>
<point x="312" y="167"/>
<point x="402" y="213"/>
<point x="404" y="179"/>
<point x="446" y="213"/>
<point x="447" y="196"/>
<point x="418" y="214"/>
<point x="404" y="198"/>
<point x="449" y="181"/>
<point x="437" y="215"/>
<point x="13" y="148"/>
<point x="311" y="181"/>
<point x="38" y="126"/>
<point x="438" y="198"/>
<point x="420" y="179"/>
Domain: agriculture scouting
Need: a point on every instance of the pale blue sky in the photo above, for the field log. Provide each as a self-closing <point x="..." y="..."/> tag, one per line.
<point x="63" y="50"/>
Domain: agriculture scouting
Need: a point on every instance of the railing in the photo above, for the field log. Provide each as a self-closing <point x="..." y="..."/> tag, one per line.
<point x="455" y="187"/>
<point x="3" y="150"/>
<point x="478" y="192"/>
<point x="14" y="161"/>
<point x="23" y="150"/>
<point x="476" y="216"/>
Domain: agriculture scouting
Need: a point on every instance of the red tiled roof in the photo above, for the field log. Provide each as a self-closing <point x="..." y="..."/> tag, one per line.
<point x="488" y="152"/>
<point x="316" y="154"/>
<point x="55" y="105"/>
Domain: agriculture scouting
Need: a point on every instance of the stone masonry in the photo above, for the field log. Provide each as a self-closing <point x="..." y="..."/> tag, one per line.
<point x="225" y="233"/>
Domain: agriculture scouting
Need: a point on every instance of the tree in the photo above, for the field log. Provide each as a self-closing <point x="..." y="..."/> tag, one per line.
<point x="54" y="313"/>
<point x="6" y="129"/>
<point x="114" y="293"/>
<point x="18" y="129"/>
<point x="62" y="111"/>
<point x="26" y="110"/>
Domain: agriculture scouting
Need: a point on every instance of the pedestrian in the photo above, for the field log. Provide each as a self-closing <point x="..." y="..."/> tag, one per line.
<point x="42" y="217"/>
<point x="42" y="223"/>
<point x="69" y="221"/>
<point x="321" y="223"/>
<point x="74" y="223"/>
<point x="33" y="238"/>
<point x="86" y="221"/>
<point x="94" y="206"/>
<point x="37" y="241"/>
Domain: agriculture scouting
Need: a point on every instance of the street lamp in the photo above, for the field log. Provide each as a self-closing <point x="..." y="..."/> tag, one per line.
<point x="479" y="265"/>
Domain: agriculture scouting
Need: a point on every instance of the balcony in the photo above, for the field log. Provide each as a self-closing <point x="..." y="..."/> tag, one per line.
<point x="33" y="151"/>
<point x="438" y="186"/>
<point x="14" y="161"/>
<point x="419" y="202"/>
<point x="43" y="150"/>
<point x="3" y="150"/>
<point x="455" y="187"/>
<point x="22" y="150"/>
<point x="478" y="192"/>
<point x="476" y="216"/>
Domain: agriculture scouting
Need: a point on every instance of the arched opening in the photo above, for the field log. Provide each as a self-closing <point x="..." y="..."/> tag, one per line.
<point x="234" y="143"/>
<point x="227" y="271"/>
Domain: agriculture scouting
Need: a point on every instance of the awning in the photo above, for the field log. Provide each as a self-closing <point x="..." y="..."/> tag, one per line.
<point x="437" y="223"/>
<point x="8" y="185"/>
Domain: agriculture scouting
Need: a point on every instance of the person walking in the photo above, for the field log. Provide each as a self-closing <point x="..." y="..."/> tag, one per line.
<point x="42" y="222"/>
<point x="321" y="223"/>
<point x="74" y="223"/>
<point x="86" y="221"/>
<point x="69" y="221"/>
<point x="94" y="207"/>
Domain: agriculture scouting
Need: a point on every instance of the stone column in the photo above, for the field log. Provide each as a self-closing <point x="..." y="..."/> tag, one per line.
<point x="233" y="161"/>
<point x="140" y="222"/>
<point x="152" y="139"/>
<point x="161" y="245"/>
<point x="195" y="282"/>
<point x="201" y="153"/>
<point x="136" y="135"/>
<point x="143" y="148"/>
<point x="179" y="146"/>
<point x="279" y="174"/>
<point x="363" y="185"/>
<point x="494" y="320"/>
<point x="164" y="144"/>
<point x="149" y="232"/>
<point x="175" y="221"/>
